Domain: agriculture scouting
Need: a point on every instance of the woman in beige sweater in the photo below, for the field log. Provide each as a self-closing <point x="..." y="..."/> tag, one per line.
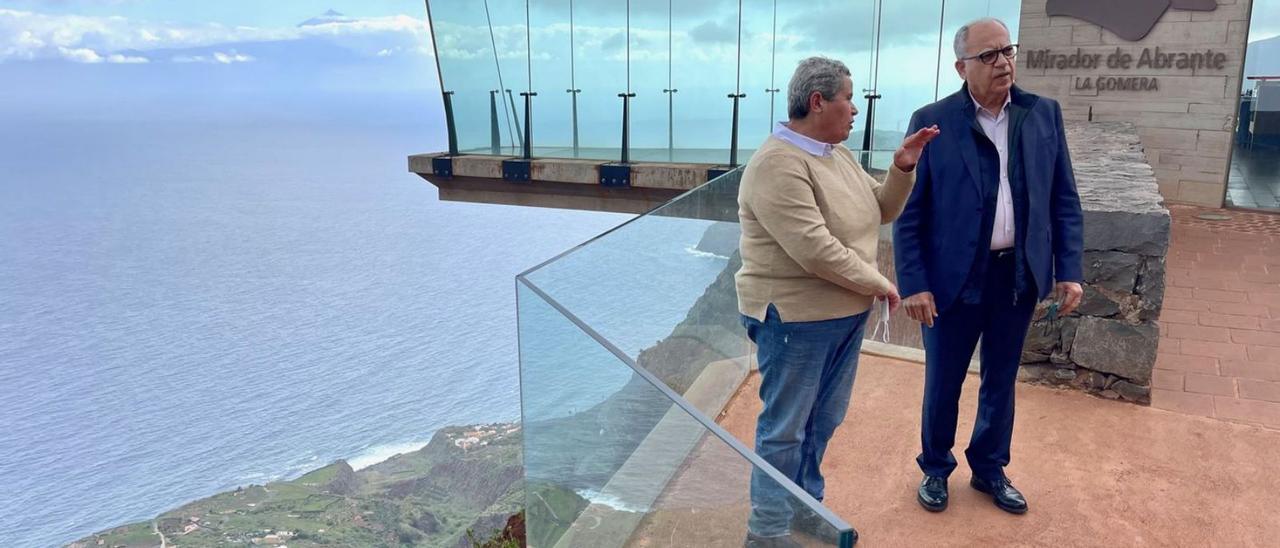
<point x="810" y="227"/>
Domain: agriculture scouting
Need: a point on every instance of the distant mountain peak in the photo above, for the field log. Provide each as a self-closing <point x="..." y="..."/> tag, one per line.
<point x="330" y="16"/>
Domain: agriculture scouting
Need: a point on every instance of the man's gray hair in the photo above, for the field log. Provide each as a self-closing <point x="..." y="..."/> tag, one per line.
<point x="962" y="36"/>
<point x="819" y="74"/>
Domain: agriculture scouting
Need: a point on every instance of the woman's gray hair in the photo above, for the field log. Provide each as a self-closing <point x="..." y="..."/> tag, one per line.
<point x="962" y="35"/>
<point x="819" y="74"/>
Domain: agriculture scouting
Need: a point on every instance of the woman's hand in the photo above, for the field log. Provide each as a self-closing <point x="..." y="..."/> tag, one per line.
<point x="892" y="297"/>
<point x="907" y="155"/>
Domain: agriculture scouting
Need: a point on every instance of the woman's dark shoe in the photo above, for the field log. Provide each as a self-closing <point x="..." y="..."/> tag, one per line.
<point x="1001" y="490"/>
<point x="933" y="493"/>
<point x="784" y="541"/>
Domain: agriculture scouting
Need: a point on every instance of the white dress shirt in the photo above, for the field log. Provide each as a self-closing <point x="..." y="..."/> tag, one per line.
<point x="996" y="126"/>
<point x="807" y="144"/>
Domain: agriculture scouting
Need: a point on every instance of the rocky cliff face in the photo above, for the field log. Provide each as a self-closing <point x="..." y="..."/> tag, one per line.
<point x="346" y="481"/>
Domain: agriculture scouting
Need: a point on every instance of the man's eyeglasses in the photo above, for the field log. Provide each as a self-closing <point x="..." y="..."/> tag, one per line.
<point x="989" y="57"/>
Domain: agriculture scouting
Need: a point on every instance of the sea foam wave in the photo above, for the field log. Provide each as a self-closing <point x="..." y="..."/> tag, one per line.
<point x="380" y="453"/>
<point x="704" y="254"/>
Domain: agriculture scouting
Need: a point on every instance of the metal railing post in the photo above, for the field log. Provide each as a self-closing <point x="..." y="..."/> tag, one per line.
<point x="448" y="122"/>
<point x="733" y="141"/>
<point x="671" y="121"/>
<point x="871" y="97"/>
<point x="574" y="95"/>
<point x="495" y="135"/>
<point x="626" y="126"/>
<point x="528" y="124"/>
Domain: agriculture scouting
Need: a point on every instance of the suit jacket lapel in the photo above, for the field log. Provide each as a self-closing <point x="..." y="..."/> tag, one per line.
<point x="968" y="144"/>
<point x="1024" y="141"/>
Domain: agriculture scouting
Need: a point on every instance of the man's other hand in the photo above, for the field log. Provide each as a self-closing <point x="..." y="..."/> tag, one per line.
<point x="920" y="307"/>
<point x="1068" y="295"/>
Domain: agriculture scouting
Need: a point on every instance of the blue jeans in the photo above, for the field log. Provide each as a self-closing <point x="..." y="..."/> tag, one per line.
<point x="807" y="371"/>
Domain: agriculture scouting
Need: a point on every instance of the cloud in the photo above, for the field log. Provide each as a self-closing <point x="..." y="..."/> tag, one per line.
<point x="458" y="42"/>
<point x="841" y="25"/>
<point x="228" y="58"/>
<point x="474" y="42"/>
<point x="1266" y="20"/>
<point x="832" y="27"/>
<point x="89" y="56"/>
<point x="611" y="8"/>
<point x="126" y="59"/>
<point x="217" y="57"/>
<point x="80" y="55"/>
<point x="26" y="35"/>
<point x="712" y="32"/>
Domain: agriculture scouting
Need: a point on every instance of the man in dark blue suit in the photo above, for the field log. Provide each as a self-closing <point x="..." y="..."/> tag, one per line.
<point x="992" y="226"/>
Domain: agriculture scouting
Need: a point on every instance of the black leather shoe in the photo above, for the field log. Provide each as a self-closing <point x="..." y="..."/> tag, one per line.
<point x="807" y="522"/>
<point x="1001" y="490"/>
<point x="784" y="541"/>
<point x="932" y="493"/>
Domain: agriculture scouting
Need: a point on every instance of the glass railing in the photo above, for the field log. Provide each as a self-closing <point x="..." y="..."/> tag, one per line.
<point x="628" y="344"/>
<point x="668" y="276"/>
<point x="680" y="64"/>
<point x="660" y="287"/>
<point x="614" y="457"/>
<point x="1254" y="179"/>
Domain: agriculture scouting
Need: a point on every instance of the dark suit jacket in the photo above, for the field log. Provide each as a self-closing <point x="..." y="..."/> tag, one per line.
<point x="938" y="236"/>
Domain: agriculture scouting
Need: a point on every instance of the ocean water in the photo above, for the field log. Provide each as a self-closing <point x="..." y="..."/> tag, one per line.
<point x="186" y="308"/>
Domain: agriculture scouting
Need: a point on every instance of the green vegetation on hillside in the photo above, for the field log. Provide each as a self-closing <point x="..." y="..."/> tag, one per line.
<point x="466" y="478"/>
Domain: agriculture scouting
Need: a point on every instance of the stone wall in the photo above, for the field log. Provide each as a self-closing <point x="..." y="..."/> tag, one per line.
<point x="1108" y="346"/>
<point x="1185" y="122"/>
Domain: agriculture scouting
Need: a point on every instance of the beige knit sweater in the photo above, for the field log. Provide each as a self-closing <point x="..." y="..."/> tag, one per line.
<point x="810" y="229"/>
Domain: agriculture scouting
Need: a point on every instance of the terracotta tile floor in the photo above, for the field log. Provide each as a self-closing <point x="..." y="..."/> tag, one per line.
<point x="1220" y="328"/>
<point x="1095" y="472"/>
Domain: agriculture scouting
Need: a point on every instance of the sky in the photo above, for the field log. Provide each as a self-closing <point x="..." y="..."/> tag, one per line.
<point x="259" y="13"/>
<point x="138" y="31"/>
<point x="1265" y="22"/>
<point x="214" y="60"/>
<point x="71" y="56"/>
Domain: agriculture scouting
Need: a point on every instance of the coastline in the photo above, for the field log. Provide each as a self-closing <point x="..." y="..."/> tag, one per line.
<point x="466" y="478"/>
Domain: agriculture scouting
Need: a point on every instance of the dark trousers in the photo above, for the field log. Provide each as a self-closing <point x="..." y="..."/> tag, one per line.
<point x="1001" y="321"/>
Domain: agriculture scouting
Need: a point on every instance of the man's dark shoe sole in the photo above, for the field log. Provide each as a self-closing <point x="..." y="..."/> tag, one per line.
<point x="930" y="508"/>
<point x="1010" y="509"/>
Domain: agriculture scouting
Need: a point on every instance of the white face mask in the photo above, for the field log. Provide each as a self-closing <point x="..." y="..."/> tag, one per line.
<point x="883" y="322"/>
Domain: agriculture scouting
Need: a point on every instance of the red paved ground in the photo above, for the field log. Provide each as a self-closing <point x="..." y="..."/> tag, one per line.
<point x="1095" y="472"/>
<point x="1220" y="347"/>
